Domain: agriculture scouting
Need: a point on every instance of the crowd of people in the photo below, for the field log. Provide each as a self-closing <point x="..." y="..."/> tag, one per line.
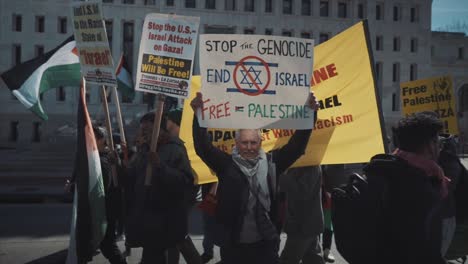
<point x="258" y="196"/>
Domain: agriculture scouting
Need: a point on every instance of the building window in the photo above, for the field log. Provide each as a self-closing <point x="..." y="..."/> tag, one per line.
<point x="40" y="21"/>
<point x="396" y="13"/>
<point x="379" y="43"/>
<point x="361" y="10"/>
<point x="306" y="35"/>
<point x="286" y="33"/>
<point x="88" y="96"/>
<point x="36" y="137"/>
<point x="287" y="7"/>
<point x="268" y="31"/>
<point x="414" y="45"/>
<point x="324" y="8"/>
<point x="109" y="32"/>
<point x="323" y="37"/>
<point x="38" y="50"/>
<point x="396" y="44"/>
<point x="169" y="2"/>
<point x="396" y="72"/>
<point x="108" y="95"/>
<point x="190" y="3"/>
<point x="62" y="25"/>
<point x="128" y="32"/>
<point x="394" y="102"/>
<point x="219" y="29"/>
<point x="210" y="4"/>
<point x="268" y="6"/>
<point x="463" y="98"/>
<point x="16" y="54"/>
<point x="230" y="5"/>
<point x="413" y="72"/>
<point x="461" y="53"/>
<point x="107" y="1"/>
<point x="378" y="71"/>
<point x="60" y="96"/>
<point x="148" y="98"/>
<point x="249" y="31"/>
<point x="414" y="14"/>
<point x="17" y="23"/>
<point x="432" y="51"/>
<point x="150" y="2"/>
<point x="13" y="131"/>
<point x="131" y="2"/>
<point x="342" y="10"/>
<point x="249" y="6"/>
<point x="306" y="8"/>
<point x="379" y="11"/>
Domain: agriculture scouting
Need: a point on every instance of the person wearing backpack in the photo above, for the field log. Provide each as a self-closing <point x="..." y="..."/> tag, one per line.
<point x="394" y="213"/>
<point x="413" y="189"/>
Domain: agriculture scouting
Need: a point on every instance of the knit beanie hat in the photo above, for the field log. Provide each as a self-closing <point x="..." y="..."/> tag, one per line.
<point x="175" y="116"/>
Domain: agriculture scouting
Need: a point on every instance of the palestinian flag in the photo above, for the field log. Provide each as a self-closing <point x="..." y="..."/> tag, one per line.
<point x="124" y="79"/>
<point x="58" y="67"/>
<point x="89" y="212"/>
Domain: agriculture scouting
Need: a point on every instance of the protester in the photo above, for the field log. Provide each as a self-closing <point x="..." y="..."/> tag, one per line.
<point x="327" y="236"/>
<point x="304" y="217"/>
<point x="186" y="247"/>
<point x="455" y="216"/>
<point x="246" y="196"/>
<point x="209" y="224"/>
<point x="113" y="201"/>
<point x="158" y="217"/>
<point x="411" y="186"/>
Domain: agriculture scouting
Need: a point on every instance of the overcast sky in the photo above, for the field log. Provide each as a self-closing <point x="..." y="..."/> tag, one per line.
<point x="446" y="13"/>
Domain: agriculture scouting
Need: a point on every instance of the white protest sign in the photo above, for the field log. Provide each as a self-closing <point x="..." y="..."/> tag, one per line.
<point x="96" y="62"/>
<point x="252" y="81"/>
<point x="165" y="60"/>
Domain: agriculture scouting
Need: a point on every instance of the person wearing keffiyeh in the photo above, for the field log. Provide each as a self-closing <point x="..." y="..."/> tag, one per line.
<point x="247" y="200"/>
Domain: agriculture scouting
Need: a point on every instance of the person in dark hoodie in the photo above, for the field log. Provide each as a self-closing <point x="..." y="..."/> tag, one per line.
<point x="158" y="216"/>
<point x="186" y="247"/>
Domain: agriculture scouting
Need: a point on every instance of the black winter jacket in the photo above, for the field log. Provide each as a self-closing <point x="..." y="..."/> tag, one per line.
<point x="158" y="213"/>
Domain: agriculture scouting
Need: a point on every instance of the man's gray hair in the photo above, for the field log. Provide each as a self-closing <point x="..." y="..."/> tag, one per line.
<point x="259" y="132"/>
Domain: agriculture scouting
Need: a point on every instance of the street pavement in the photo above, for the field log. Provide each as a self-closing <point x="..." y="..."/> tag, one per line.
<point x="38" y="234"/>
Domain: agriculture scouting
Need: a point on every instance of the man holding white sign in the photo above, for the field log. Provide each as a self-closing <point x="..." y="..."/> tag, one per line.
<point x="247" y="204"/>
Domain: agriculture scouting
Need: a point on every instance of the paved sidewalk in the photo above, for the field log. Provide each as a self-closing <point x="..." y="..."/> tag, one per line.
<point x="53" y="251"/>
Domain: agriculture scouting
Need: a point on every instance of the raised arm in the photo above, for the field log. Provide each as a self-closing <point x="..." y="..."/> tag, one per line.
<point x="213" y="157"/>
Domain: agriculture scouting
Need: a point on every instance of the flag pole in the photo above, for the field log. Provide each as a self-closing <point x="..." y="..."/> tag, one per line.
<point x="120" y="122"/>
<point x="154" y="138"/>
<point x="110" y="140"/>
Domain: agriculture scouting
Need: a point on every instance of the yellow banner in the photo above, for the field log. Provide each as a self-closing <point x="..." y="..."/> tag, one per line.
<point x="348" y="128"/>
<point x="433" y="94"/>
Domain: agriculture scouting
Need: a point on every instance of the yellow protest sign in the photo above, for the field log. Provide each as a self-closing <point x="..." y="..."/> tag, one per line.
<point x="348" y="127"/>
<point x="433" y="94"/>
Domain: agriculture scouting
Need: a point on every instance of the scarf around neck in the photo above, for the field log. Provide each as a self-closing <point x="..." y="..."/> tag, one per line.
<point x="256" y="171"/>
<point x="430" y="167"/>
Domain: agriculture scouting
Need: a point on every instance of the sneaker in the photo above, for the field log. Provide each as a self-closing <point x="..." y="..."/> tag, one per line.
<point x="206" y="257"/>
<point x="327" y="256"/>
